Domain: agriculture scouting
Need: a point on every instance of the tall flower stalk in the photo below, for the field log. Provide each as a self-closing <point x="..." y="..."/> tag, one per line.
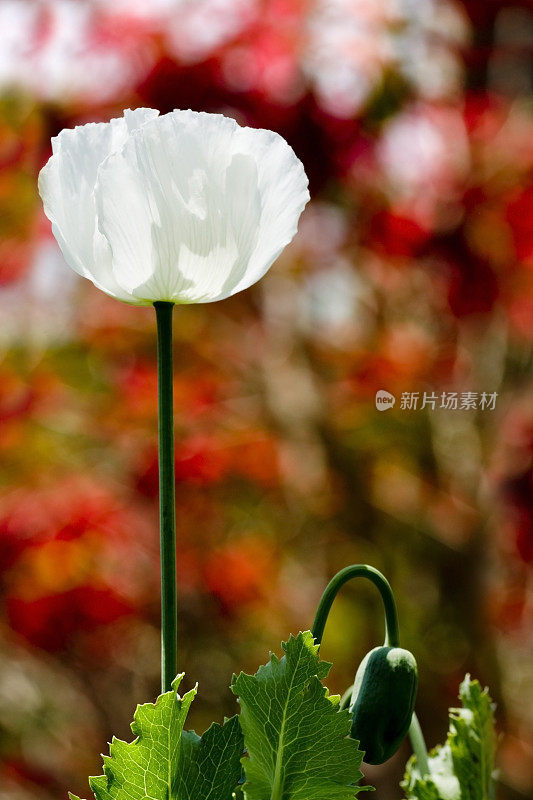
<point x="167" y="501"/>
<point x="185" y="207"/>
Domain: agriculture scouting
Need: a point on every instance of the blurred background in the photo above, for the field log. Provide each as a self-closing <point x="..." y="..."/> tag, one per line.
<point x="412" y="273"/>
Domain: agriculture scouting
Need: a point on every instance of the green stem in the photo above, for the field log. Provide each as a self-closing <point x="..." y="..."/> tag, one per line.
<point x="418" y="744"/>
<point x="167" y="506"/>
<point x="392" y="633"/>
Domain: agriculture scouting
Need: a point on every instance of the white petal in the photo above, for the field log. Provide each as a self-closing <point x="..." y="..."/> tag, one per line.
<point x="282" y="184"/>
<point x="161" y="206"/>
<point x="66" y="185"/>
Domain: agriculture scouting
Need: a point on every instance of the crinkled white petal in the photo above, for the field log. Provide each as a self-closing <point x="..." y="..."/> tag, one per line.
<point x="282" y="185"/>
<point x="196" y="208"/>
<point x="66" y="185"/>
<point x="187" y="207"/>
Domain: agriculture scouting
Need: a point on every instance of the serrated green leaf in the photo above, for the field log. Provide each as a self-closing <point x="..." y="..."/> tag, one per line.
<point x="463" y="768"/>
<point x="147" y="766"/>
<point x="473" y="742"/>
<point x="294" y="733"/>
<point x="210" y="765"/>
<point x="165" y="763"/>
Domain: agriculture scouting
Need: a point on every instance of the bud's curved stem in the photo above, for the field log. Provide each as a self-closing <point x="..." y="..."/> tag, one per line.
<point x="167" y="507"/>
<point x="392" y="637"/>
<point x="392" y="633"/>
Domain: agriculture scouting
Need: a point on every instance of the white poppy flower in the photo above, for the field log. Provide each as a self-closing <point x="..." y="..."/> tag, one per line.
<point x="185" y="207"/>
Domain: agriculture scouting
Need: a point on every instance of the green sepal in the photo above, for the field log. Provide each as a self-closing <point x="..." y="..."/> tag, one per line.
<point x="383" y="701"/>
